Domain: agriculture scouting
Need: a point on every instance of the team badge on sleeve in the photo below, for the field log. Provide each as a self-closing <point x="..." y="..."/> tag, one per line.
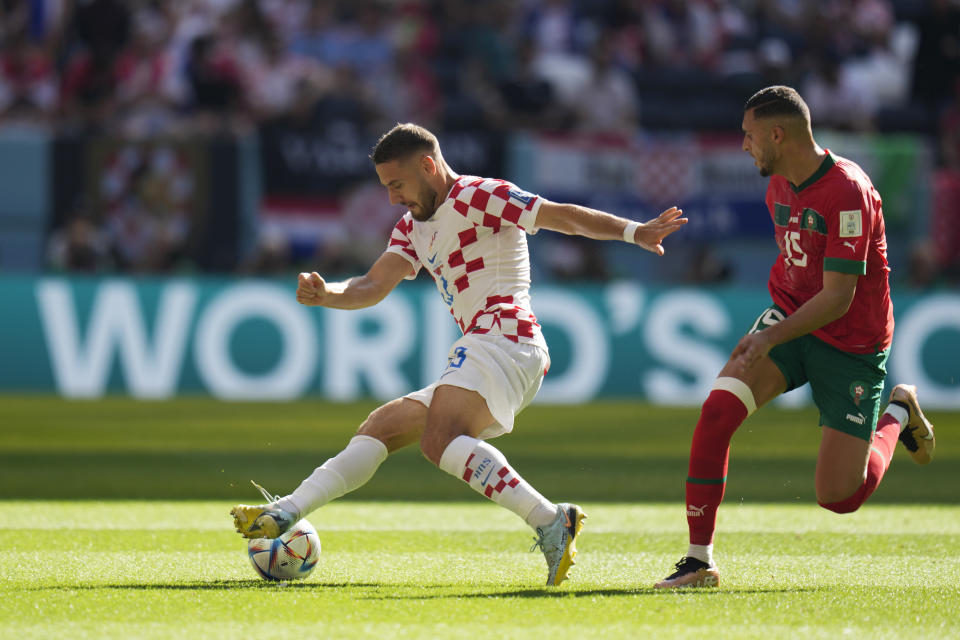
<point x="520" y="195"/>
<point x="851" y="225"/>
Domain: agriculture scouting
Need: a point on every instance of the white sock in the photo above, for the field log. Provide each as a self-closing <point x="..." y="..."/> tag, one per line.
<point x="485" y="469"/>
<point x="703" y="552"/>
<point x="348" y="470"/>
<point x="899" y="414"/>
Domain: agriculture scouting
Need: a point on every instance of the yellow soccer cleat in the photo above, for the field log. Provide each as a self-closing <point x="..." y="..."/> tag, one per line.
<point x="262" y="521"/>
<point x="917" y="434"/>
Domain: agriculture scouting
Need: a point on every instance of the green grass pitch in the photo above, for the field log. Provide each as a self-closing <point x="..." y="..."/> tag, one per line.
<point x="114" y="524"/>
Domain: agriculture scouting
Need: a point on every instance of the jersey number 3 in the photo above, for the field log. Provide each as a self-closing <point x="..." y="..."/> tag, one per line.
<point x="456" y="361"/>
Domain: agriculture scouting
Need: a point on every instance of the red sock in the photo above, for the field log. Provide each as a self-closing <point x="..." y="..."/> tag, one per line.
<point x="721" y="415"/>
<point x="881" y="453"/>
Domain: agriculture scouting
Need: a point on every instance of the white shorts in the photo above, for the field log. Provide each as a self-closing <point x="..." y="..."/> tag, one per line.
<point x="507" y="374"/>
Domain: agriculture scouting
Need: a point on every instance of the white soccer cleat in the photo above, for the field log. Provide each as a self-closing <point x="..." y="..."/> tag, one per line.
<point x="558" y="541"/>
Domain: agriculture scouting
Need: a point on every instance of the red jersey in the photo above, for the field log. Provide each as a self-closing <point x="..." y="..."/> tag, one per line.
<point x="833" y="222"/>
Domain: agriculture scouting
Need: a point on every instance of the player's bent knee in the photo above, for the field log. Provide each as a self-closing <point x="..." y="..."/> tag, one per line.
<point x="432" y="445"/>
<point x="435" y="441"/>
<point x="718" y="410"/>
<point x="839" y="507"/>
<point x="847" y="505"/>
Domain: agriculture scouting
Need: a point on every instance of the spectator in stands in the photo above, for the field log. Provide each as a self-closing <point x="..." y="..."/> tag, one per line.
<point x="153" y="67"/>
<point x="775" y="63"/>
<point x="529" y="97"/>
<point x="883" y="67"/>
<point x="274" y="78"/>
<point x="145" y="103"/>
<point x="318" y="36"/>
<point x="938" y="54"/>
<point x="272" y="256"/>
<point x="683" y="34"/>
<point x="945" y="214"/>
<point x="608" y="102"/>
<point x="288" y="17"/>
<point x="146" y="193"/>
<point x="102" y="26"/>
<point x="838" y="97"/>
<point x="346" y="100"/>
<point x="28" y="83"/>
<point x="214" y="82"/>
<point x="552" y="26"/>
<point x="80" y="246"/>
<point x="471" y="99"/>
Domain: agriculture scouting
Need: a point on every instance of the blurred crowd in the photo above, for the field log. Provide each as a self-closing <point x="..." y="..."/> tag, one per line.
<point x="145" y="66"/>
<point x="141" y="68"/>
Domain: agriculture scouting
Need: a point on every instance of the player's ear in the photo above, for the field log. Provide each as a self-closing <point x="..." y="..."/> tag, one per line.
<point x="428" y="164"/>
<point x="777" y="133"/>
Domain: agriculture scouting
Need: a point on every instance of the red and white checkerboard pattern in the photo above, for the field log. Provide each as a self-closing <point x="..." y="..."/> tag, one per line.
<point x="667" y="172"/>
<point x="475" y="249"/>
<point x="502" y="478"/>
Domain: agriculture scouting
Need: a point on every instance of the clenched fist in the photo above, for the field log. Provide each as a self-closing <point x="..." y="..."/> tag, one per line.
<point x="311" y="289"/>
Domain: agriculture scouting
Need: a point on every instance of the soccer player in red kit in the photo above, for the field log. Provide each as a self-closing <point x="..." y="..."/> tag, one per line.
<point x="831" y="324"/>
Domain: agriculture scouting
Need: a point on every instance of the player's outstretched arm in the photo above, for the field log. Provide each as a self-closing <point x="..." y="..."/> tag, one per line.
<point x="355" y="293"/>
<point x="573" y="219"/>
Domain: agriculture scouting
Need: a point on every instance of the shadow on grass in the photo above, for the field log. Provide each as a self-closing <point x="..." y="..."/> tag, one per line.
<point x="537" y="592"/>
<point x="216" y="585"/>
<point x="555" y="593"/>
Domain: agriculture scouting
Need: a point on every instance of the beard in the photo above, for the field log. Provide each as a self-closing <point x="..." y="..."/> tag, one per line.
<point x="426" y="203"/>
<point x="764" y="165"/>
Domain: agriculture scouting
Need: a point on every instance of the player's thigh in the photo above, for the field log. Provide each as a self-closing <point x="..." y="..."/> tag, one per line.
<point x="397" y="424"/>
<point x="457" y="411"/>
<point x="847" y="390"/>
<point x="846" y="387"/>
<point x="764" y="378"/>
<point x="454" y="411"/>
<point x="775" y="373"/>
<point x="841" y="465"/>
<point x="487" y="381"/>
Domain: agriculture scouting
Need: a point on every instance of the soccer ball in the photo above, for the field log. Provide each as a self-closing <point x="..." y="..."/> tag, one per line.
<point x="292" y="556"/>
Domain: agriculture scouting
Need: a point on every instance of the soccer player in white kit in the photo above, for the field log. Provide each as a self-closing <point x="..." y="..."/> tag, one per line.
<point x="469" y="233"/>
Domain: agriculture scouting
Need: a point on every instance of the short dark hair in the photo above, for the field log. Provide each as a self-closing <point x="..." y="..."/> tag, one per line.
<point x="777" y="101"/>
<point x="402" y="141"/>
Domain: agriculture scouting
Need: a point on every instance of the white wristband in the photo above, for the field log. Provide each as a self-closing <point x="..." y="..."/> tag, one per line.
<point x="629" y="231"/>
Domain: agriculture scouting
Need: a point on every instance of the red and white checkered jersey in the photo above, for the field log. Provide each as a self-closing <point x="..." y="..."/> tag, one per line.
<point x="475" y="248"/>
